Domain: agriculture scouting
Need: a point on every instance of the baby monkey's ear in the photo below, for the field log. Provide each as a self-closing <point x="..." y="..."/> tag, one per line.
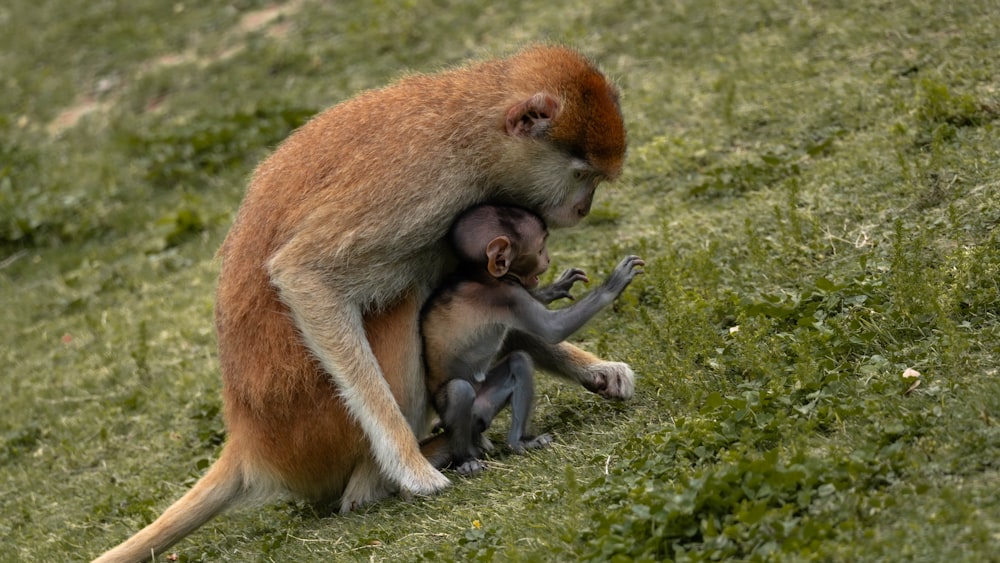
<point x="499" y="251"/>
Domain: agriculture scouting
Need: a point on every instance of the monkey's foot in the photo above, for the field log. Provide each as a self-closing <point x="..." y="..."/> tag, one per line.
<point x="366" y="485"/>
<point x="485" y="445"/>
<point x="471" y="467"/>
<point x="536" y="443"/>
<point x="611" y="380"/>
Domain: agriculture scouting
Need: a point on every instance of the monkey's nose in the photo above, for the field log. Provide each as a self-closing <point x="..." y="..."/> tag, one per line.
<point x="583" y="208"/>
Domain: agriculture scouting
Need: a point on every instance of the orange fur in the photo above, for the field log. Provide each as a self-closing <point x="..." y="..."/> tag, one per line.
<point x="338" y="242"/>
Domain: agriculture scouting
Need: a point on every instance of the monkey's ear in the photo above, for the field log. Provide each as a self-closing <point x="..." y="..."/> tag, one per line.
<point x="532" y="117"/>
<point x="499" y="251"/>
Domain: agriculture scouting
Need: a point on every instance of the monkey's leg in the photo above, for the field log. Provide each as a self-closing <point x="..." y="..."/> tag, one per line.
<point x="511" y="382"/>
<point x="522" y="405"/>
<point x="496" y="392"/>
<point x="458" y="422"/>
<point x="522" y="399"/>
<point x="612" y="380"/>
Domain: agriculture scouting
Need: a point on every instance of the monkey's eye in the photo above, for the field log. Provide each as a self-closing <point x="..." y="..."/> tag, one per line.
<point x="583" y="172"/>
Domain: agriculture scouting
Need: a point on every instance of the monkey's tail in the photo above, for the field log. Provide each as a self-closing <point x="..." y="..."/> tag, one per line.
<point x="219" y="488"/>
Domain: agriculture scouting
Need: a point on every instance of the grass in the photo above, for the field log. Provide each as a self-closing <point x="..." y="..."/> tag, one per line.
<point x="815" y="187"/>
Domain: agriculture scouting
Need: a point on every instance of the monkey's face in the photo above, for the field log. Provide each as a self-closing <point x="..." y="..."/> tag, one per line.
<point x="562" y="147"/>
<point x="589" y="132"/>
<point x="562" y="187"/>
<point x="533" y="259"/>
<point x="579" y="182"/>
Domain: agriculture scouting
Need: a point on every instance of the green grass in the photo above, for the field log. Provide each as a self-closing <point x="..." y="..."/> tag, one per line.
<point x="815" y="188"/>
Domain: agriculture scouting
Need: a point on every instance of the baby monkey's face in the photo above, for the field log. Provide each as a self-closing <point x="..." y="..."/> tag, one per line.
<point x="533" y="259"/>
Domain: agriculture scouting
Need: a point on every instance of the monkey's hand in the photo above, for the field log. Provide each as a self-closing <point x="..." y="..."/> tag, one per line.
<point x="560" y="288"/>
<point x="611" y="380"/>
<point x="624" y="273"/>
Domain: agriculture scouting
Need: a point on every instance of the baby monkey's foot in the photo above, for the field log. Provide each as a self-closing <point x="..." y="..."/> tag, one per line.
<point x="471" y="467"/>
<point x="535" y="443"/>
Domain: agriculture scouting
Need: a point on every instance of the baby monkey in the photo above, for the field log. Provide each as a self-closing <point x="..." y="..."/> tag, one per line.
<point x="501" y="251"/>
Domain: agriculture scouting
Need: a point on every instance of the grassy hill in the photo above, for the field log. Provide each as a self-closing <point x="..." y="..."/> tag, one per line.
<point x="815" y="187"/>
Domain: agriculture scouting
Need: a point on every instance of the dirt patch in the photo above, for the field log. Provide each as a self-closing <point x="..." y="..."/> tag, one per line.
<point x="270" y="20"/>
<point x="259" y="19"/>
<point x="72" y="115"/>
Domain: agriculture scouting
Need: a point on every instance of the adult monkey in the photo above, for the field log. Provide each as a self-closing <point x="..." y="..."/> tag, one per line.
<point x="338" y="242"/>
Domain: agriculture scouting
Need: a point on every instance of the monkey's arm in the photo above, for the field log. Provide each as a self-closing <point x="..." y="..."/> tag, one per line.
<point x="555" y="326"/>
<point x="561" y="287"/>
<point x="613" y="380"/>
<point x="331" y="325"/>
